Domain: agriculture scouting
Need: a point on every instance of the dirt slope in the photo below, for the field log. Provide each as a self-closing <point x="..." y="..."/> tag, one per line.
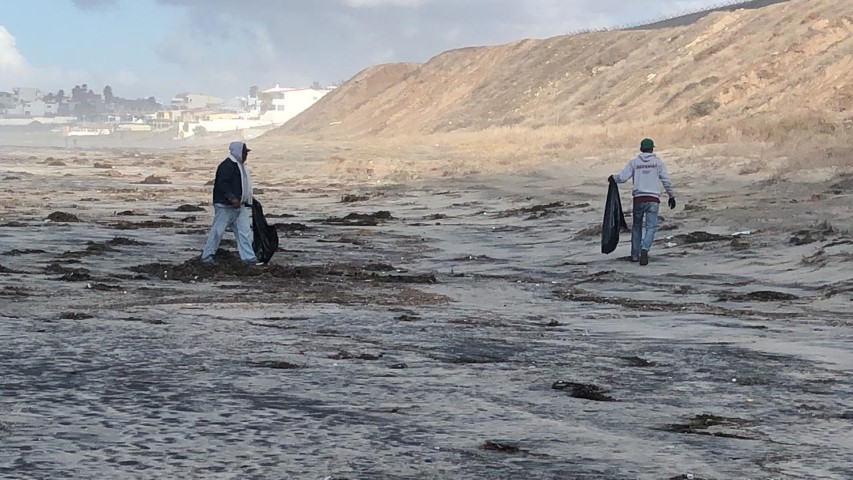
<point x="755" y="74"/>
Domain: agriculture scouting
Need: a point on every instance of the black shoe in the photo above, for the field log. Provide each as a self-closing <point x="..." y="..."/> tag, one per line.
<point x="634" y="259"/>
<point x="644" y="257"/>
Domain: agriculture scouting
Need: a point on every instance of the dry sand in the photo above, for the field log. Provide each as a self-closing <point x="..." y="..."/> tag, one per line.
<point x="427" y="345"/>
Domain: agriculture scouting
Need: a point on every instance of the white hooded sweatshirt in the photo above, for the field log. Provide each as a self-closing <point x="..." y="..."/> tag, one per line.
<point x="648" y="172"/>
<point x="236" y="156"/>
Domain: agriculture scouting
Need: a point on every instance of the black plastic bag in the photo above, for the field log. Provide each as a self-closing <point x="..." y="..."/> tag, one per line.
<point x="265" y="241"/>
<point x="614" y="220"/>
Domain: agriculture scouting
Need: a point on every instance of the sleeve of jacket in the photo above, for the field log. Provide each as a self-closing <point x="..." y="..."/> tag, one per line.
<point x="626" y="173"/>
<point x="225" y="181"/>
<point x="663" y="174"/>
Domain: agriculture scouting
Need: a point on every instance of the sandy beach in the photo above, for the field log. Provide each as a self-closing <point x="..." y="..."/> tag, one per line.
<point x="461" y="327"/>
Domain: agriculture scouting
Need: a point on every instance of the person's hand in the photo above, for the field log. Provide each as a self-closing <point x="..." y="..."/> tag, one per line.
<point x="671" y="202"/>
<point x="235" y="202"/>
<point x="610" y="179"/>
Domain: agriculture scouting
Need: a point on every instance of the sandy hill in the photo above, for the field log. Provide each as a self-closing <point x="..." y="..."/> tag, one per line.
<point x="756" y="74"/>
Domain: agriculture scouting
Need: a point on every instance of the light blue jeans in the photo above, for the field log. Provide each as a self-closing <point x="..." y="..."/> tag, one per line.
<point x="239" y="219"/>
<point x="649" y="211"/>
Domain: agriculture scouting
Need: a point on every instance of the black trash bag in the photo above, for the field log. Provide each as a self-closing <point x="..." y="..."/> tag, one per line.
<point x="614" y="220"/>
<point x="265" y="242"/>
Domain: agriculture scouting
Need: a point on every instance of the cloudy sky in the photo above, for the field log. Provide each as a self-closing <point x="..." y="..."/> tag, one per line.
<point x="162" y="47"/>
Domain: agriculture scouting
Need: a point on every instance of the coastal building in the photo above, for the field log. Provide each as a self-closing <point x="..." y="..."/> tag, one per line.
<point x="27" y="94"/>
<point x="7" y="101"/>
<point x="280" y="104"/>
<point x="195" y="100"/>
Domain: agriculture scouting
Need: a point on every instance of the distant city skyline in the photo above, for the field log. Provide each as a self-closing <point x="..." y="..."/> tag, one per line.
<point x="158" y="48"/>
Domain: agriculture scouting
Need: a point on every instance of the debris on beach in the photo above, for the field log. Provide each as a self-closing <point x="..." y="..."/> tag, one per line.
<point x="155" y="180"/>
<point x="635" y="361"/>
<point x="92" y="248"/>
<point x="757" y="296"/>
<point x="68" y="274"/>
<point x="345" y="355"/>
<point x="593" y="231"/>
<point x="275" y="364"/>
<point x="103" y="287"/>
<point x="360" y="219"/>
<point x="63" y="217"/>
<point x="125" y="225"/>
<point x="816" y="233"/>
<point x="77" y="275"/>
<point x="53" y="162"/>
<point x="15" y="292"/>
<point x="189" y="208"/>
<point x="350" y="198"/>
<point x="27" y="251"/>
<point x="697" y="237"/>
<point x="712" y="425"/>
<point x="6" y="270"/>
<point x="584" y="390"/>
<point x="505" y="446"/>
<point x="122" y="241"/>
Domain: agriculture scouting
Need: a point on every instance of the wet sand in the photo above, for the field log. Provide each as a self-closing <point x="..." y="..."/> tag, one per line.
<point x="476" y="333"/>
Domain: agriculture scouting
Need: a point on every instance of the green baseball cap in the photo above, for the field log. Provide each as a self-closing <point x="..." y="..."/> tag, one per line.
<point x="647" y="144"/>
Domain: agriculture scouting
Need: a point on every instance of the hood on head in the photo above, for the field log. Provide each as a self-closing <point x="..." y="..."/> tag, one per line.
<point x="236" y="150"/>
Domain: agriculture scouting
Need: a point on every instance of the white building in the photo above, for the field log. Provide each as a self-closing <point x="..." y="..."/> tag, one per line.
<point x="236" y="104"/>
<point x="282" y="104"/>
<point x="34" y="108"/>
<point x="195" y="100"/>
<point x="253" y="102"/>
<point x="7" y="102"/>
<point x="24" y="94"/>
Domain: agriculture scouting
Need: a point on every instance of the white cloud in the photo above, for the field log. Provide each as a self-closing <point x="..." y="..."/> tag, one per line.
<point x="16" y="71"/>
<point x="11" y="60"/>
<point x="223" y="46"/>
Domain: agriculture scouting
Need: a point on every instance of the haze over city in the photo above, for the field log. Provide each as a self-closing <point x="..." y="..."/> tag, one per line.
<point x="161" y="47"/>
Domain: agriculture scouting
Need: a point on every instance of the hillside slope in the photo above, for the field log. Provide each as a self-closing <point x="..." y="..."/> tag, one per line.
<point x="787" y="64"/>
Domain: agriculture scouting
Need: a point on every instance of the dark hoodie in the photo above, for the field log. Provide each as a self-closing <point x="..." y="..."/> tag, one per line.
<point x="229" y="181"/>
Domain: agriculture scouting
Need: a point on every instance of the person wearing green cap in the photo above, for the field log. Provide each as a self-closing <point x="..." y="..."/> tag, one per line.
<point x="648" y="172"/>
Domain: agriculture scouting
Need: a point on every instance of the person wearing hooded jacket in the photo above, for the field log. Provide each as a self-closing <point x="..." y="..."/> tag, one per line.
<point x="648" y="172"/>
<point x="232" y="200"/>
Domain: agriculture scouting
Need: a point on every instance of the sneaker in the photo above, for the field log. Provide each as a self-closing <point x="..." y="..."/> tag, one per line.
<point x="644" y="257"/>
<point x="634" y="259"/>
